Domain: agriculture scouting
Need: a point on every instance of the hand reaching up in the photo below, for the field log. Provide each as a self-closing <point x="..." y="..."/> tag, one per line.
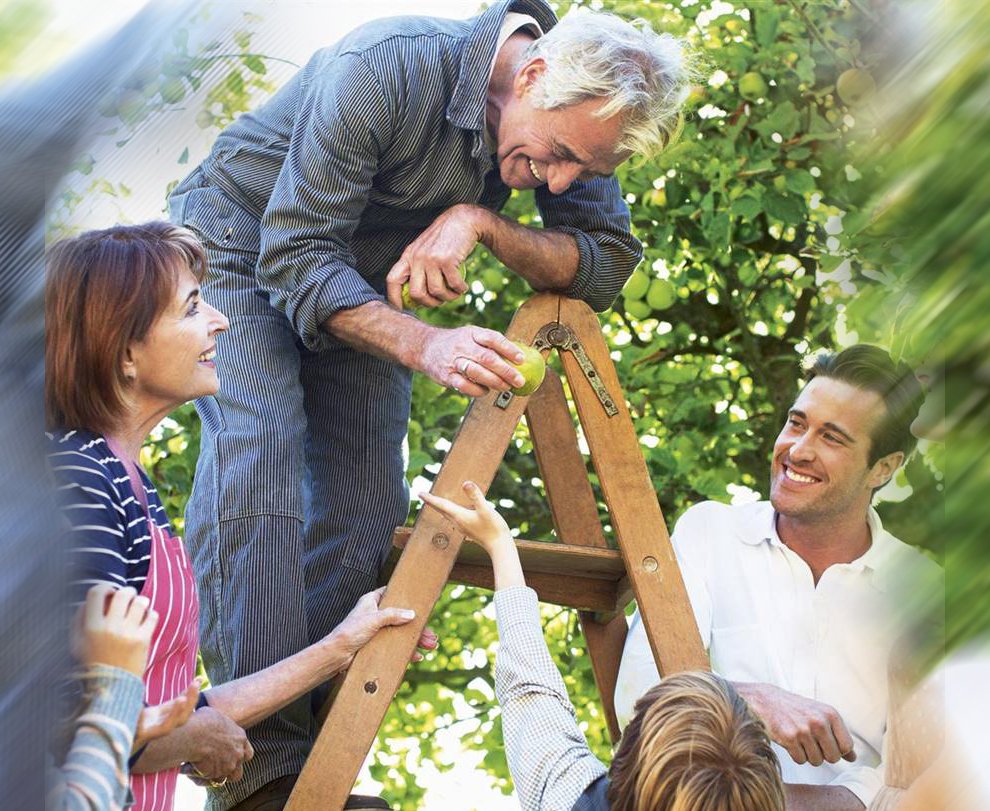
<point x="482" y="524"/>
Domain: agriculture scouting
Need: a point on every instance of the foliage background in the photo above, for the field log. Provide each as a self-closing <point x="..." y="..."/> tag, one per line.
<point x="783" y="221"/>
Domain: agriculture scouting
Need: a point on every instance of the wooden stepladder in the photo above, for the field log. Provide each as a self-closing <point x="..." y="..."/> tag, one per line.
<point x="580" y="572"/>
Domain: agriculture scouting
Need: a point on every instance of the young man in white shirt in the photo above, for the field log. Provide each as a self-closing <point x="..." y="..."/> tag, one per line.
<point x="801" y="599"/>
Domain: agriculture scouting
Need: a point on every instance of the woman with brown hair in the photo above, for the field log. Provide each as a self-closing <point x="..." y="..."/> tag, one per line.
<point x="693" y="745"/>
<point x="128" y="340"/>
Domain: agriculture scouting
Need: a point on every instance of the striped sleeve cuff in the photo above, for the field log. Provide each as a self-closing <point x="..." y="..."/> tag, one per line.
<point x="117" y="694"/>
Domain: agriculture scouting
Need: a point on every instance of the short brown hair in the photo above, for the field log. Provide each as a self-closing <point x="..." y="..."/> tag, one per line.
<point x="695" y="745"/>
<point x="870" y="368"/>
<point x="104" y="290"/>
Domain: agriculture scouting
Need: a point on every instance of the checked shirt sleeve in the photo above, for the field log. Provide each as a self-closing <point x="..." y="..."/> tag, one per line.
<point x="305" y="263"/>
<point x="549" y="758"/>
<point x="595" y="214"/>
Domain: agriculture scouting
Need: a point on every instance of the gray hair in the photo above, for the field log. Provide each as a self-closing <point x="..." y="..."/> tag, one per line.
<point x="643" y="75"/>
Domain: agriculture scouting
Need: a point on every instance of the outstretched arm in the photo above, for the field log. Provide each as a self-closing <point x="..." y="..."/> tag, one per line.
<point x="549" y="758"/>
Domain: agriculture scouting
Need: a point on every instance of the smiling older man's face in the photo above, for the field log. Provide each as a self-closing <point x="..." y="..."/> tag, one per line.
<point x="539" y="147"/>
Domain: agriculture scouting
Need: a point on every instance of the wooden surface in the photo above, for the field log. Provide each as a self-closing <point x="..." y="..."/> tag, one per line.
<point x="562" y="467"/>
<point x="543" y="556"/>
<point x="378" y="668"/>
<point x="633" y="507"/>
<point x="574" y="576"/>
<point x="606" y="641"/>
<point x="575" y="516"/>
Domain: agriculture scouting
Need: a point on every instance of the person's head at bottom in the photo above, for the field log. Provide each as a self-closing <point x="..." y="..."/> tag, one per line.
<point x="694" y="745"/>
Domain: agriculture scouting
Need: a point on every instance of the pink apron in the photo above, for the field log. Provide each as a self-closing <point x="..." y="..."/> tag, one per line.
<point x="171" y="588"/>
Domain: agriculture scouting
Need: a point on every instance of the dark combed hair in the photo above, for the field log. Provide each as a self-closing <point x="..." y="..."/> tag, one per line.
<point x="872" y="369"/>
<point x="695" y="745"/>
<point x="103" y="291"/>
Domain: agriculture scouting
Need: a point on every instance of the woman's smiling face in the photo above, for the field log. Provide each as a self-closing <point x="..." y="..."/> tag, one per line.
<point x="175" y="362"/>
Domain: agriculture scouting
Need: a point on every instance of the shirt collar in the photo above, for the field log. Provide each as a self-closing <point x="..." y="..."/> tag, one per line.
<point x="467" y="105"/>
<point x="762" y="528"/>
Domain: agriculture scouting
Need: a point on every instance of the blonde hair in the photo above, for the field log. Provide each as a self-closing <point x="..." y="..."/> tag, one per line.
<point x="695" y="745"/>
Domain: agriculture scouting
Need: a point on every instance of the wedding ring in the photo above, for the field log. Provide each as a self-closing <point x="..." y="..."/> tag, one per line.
<point x="463" y="366"/>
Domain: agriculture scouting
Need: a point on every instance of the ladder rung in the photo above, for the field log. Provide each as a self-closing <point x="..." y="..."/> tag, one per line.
<point x="591" y="575"/>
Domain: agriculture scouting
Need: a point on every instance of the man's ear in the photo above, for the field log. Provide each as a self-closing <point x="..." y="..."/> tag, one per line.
<point x="884" y="468"/>
<point x="527" y="75"/>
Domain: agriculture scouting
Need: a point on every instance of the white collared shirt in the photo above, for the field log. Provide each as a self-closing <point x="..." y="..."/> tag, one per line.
<point x="763" y="619"/>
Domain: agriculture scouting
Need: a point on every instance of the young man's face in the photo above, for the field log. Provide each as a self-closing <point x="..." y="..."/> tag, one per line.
<point x="539" y="147"/>
<point x="820" y="462"/>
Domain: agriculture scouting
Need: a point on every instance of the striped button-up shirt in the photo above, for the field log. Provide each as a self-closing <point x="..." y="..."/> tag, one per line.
<point x="371" y="141"/>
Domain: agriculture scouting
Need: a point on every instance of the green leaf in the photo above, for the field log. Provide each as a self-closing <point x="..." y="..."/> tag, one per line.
<point x="785" y="207"/>
<point x="255" y="64"/>
<point x="766" y="24"/>
<point x="747" y="206"/>
<point x="800" y="182"/>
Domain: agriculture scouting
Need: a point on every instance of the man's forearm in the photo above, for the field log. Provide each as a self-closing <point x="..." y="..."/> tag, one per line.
<point x="803" y="797"/>
<point x="378" y="329"/>
<point x="547" y="259"/>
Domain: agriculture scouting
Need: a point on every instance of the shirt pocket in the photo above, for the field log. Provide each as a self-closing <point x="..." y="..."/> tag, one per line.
<point x="739" y="653"/>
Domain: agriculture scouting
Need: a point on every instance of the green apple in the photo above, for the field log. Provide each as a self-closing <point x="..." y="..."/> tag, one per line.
<point x="637" y="285"/>
<point x="533" y="369"/>
<point x="637" y="309"/>
<point x="173" y="91"/>
<point x="752" y="86"/>
<point x="661" y="295"/>
<point x="855" y="86"/>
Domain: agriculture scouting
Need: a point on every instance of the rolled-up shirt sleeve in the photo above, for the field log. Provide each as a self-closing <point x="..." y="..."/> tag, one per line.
<point x="595" y="214"/>
<point x="305" y="264"/>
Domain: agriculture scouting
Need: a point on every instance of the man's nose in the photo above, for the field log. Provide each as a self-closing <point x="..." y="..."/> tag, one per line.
<point x="802" y="449"/>
<point x="561" y="175"/>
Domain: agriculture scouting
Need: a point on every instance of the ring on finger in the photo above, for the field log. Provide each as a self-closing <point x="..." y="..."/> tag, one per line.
<point x="218" y="783"/>
<point x="462" y="366"/>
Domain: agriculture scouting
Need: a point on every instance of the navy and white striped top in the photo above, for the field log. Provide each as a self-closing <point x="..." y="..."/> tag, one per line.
<point x="111" y="538"/>
<point x="365" y="147"/>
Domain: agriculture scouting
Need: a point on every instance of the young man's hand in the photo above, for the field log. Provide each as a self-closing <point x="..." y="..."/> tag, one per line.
<point x="810" y="731"/>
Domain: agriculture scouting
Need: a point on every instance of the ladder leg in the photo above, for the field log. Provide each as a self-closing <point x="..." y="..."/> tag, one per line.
<point x="562" y="468"/>
<point x="605" y="643"/>
<point x="633" y="507"/>
<point x="422" y="571"/>
<point x="575" y="515"/>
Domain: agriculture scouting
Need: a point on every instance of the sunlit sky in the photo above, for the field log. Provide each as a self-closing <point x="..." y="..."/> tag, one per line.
<point x="291" y="30"/>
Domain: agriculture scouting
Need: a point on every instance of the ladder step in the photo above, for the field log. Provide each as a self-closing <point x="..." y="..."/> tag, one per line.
<point x="583" y="577"/>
